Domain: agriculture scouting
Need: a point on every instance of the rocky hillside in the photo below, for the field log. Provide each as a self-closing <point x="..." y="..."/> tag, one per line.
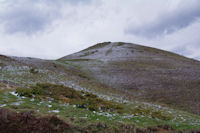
<point x="109" y="87"/>
<point x="146" y="73"/>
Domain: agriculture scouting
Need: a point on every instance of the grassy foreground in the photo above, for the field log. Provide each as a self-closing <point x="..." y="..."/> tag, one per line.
<point x="84" y="110"/>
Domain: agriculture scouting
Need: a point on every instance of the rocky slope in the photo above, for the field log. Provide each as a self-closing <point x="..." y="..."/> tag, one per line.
<point x="146" y="73"/>
<point x="109" y="87"/>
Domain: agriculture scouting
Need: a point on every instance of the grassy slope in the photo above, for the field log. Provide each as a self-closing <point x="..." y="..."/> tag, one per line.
<point x="83" y="118"/>
<point x="77" y="74"/>
<point x="148" y="74"/>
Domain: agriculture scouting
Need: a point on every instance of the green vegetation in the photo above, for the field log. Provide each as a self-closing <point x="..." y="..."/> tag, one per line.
<point x="44" y="99"/>
<point x="100" y="106"/>
<point x="84" y="100"/>
<point x="69" y="95"/>
<point x="43" y="90"/>
<point x="33" y="71"/>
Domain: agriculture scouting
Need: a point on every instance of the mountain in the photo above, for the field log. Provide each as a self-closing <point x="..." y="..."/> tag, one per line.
<point x="109" y="87"/>
<point x="148" y="74"/>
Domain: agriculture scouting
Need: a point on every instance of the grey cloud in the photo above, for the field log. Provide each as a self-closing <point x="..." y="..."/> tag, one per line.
<point x="167" y="23"/>
<point x="26" y="18"/>
<point x="29" y="18"/>
<point x="70" y="1"/>
<point x="63" y="1"/>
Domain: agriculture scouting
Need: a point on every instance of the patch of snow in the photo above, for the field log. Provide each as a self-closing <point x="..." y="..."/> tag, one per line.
<point x="169" y="112"/>
<point x="32" y="99"/>
<point x="13" y="93"/>
<point x="3" y="105"/>
<point x="83" y="117"/>
<point x="55" y="111"/>
<point x="17" y="103"/>
<point x="128" y="116"/>
<point x="103" y="114"/>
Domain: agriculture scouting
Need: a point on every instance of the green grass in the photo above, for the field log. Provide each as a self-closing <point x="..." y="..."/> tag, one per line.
<point x="79" y="98"/>
<point x="83" y="117"/>
<point x="144" y="115"/>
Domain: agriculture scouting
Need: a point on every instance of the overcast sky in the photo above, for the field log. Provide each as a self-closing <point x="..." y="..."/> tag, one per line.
<point x="50" y="29"/>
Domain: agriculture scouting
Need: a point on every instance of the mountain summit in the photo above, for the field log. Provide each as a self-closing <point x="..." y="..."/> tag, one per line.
<point x="146" y="73"/>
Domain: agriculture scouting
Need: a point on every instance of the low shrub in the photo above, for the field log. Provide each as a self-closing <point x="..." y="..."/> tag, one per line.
<point x="49" y="90"/>
<point x="159" y="115"/>
<point x="24" y="92"/>
<point x="154" y="114"/>
<point x="33" y="71"/>
<point x="69" y="95"/>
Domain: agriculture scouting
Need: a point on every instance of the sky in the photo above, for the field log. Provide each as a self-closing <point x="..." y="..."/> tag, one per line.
<point x="50" y="29"/>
